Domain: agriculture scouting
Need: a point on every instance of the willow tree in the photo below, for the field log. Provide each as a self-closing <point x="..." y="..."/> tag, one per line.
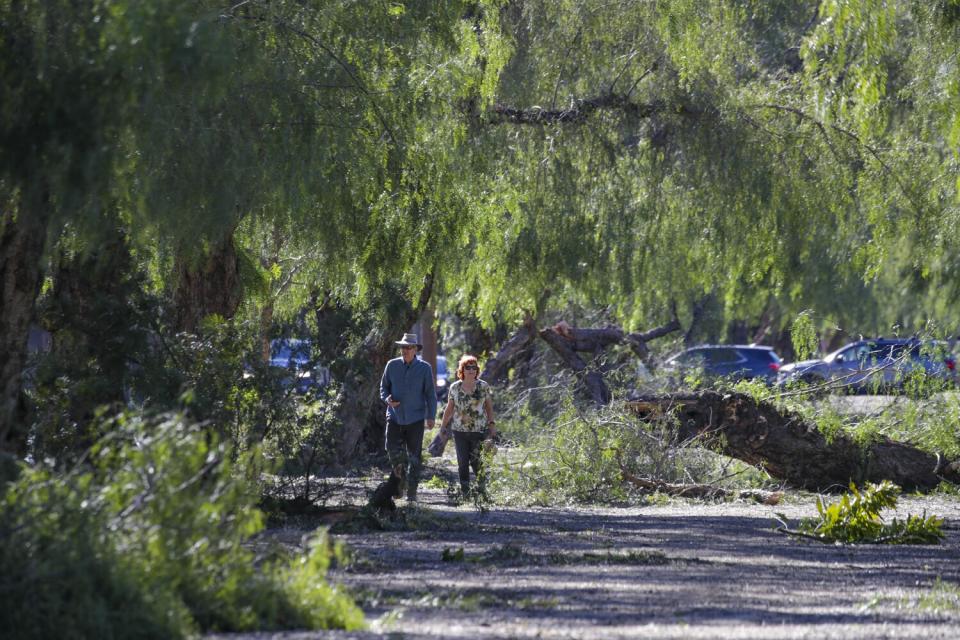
<point x="887" y="74"/>
<point x="388" y="186"/>
<point x="659" y="151"/>
<point x="101" y="100"/>
<point x="335" y="122"/>
<point x="74" y="75"/>
<point x="495" y="156"/>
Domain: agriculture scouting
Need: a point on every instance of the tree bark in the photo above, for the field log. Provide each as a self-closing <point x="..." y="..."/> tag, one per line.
<point x="566" y="341"/>
<point x="512" y="350"/>
<point x="566" y="349"/>
<point x="94" y="312"/>
<point x="701" y="311"/>
<point x="428" y="338"/>
<point x="208" y="286"/>
<point x="638" y="339"/>
<point x="793" y="450"/>
<point x="22" y="238"/>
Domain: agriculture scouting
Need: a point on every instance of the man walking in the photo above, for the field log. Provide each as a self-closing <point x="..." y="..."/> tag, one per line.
<point x="407" y="386"/>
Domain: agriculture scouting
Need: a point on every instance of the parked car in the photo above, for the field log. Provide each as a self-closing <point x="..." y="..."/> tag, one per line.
<point x="442" y="379"/>
<point x="876" y="365"/>
<point x="293" y="360"/>
<point x="733" y="361"/>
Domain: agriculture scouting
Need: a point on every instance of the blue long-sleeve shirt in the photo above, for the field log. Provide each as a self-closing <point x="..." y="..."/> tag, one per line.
<point x="413" y="386"/>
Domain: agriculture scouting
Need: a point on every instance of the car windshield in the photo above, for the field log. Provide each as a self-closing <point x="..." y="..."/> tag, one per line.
<point x="869" y="351"/>
<point x="830" y="357"/>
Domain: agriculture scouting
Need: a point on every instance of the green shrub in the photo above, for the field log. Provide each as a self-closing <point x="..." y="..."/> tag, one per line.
<point x="587" y="456"/>
<point x="149" y="539"/>
<point x="855" y="518"/>
<point x="932" y="424"/>
<point x="60" y="579"/>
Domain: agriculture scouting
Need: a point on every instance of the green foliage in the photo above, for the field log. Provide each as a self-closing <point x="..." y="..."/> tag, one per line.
<point x="100" y="319"/>
<point x="350" y="149"/>
<point x="830" y="424"/>
<point x="149" y="540"/>
<point x="855" y="518"/>
<point x="933" y="423"/>
<point x="226" y="384"/>
<point x="573" y="460"/>
<point x="803" y="335"/>
<point x="587" y="456"/>
<point x="942" y="597"/>
<point x="217" y="375"/>
<point x="452" y="555"/>
<point x="435" y="482"/>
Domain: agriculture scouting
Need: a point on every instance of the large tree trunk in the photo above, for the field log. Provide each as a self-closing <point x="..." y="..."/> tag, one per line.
<point x="208" y="285"/>
<point x="22" y="237"/>
<point x="95" y="311"/>
<point x="428" y="338"/>
<point x="793" y="450"/>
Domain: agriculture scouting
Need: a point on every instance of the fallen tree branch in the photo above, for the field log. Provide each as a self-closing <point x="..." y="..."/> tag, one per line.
<point x="496" y="367"/>
<point x="578" y="111"/>
<point x="705" y="491"/>
<point x="565" y="348"/>
<point x="791" y="449"/>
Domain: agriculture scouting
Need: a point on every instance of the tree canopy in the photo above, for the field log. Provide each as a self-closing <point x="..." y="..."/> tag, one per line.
<point x="520" y="154"/>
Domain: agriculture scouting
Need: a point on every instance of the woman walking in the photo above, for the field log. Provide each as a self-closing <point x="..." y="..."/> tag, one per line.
<point x="469" y="412"/>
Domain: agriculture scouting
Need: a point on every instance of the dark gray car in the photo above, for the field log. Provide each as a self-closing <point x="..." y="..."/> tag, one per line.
<point x="731" y="361"/>
<point x="877" y="365"/>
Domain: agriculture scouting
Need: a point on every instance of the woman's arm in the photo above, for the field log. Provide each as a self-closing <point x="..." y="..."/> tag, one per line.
<point x="491" y="425"/>
<point x="447" y="414"/>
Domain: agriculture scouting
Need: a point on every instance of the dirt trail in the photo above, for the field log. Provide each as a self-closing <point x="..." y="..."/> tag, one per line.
<point x="672" y="571"/>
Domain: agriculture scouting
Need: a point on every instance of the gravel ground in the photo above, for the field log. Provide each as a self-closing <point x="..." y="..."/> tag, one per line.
<point x="677" y="570"/>
<point x="680" y="570"/>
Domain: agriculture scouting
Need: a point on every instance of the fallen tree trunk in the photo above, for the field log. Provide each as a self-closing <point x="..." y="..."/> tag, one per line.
<point x="510" y="352"/>
<point x="793" y="450"/>
<point x="566" y="348"/>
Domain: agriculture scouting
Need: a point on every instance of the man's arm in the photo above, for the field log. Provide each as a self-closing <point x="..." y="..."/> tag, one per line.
<point x="430" y="396"/>
<point x="385" y="388"/>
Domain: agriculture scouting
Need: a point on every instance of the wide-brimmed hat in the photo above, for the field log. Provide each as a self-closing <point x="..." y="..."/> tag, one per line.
<point x="409" y="340"/>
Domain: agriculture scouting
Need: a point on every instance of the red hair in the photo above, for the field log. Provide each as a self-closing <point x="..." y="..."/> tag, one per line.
<point x="465" y="360"/>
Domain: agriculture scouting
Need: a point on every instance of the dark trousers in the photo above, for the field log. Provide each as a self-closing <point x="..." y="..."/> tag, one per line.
<point x="404" y="450"/>
<point x="469" y="454"/>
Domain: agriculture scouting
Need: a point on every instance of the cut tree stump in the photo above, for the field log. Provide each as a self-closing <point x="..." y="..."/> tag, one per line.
<point x="791" y="449"/>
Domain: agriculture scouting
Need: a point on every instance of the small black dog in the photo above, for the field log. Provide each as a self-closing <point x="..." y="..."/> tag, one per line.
<point x="386" y="491"/>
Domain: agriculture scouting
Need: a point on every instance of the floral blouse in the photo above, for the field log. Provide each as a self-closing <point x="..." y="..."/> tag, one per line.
<point x="468" y="414"/>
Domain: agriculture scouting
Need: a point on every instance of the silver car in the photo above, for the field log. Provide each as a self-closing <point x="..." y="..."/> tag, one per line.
<point x="871" y="366"/>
